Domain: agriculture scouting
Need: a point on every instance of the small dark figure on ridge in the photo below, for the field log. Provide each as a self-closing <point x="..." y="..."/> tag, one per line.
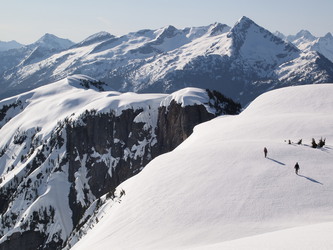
<point x="265" y="151"/>
<point x="296" y="168"/>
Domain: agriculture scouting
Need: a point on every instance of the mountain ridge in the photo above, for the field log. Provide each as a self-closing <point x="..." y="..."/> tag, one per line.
<point x="168" y="59"/>
<point x="4" y="46"/>
<point x="305" y="41"/>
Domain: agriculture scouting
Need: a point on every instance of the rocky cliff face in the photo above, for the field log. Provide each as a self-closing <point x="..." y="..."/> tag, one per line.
<point x="52" y="183"/>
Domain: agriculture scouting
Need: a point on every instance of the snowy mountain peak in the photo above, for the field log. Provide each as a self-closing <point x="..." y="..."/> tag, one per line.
<point x="256" y="43"/>
<point x="95" y="38"/>
<point x="328" y="36"/>
<point x="47" y="38"/>
<point x="167" y="32"/>
<point x="243" y="24"/>
<point x="218" y="28"/>
<point x="303" y="35"/>
<point x="239" y="31"/>
<point x="53" y="42"/>
<point x="280" y="35"/>
<point x="241" y="28"/>
<point x="244" y="19"/>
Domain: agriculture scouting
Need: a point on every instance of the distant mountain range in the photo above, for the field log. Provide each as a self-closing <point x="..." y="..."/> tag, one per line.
<point x="241" y="62"/>
<point x="9" y="45"/>
<point x="305" y="41"/>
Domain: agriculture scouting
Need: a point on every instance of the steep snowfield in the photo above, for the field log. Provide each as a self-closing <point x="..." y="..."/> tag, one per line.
<point x="217" y="191"/>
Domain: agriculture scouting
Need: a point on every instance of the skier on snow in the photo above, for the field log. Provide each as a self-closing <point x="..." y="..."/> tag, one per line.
<point x="265" y="151"/>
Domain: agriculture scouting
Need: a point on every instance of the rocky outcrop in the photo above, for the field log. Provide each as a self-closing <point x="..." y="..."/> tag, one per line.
<point x="90" y="155"/>
<point x="29" y="240"/>
<point x="107" y="146"/>
<point x="175" y="124"/>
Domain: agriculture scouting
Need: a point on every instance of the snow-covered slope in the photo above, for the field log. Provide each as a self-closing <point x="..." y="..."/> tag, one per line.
<point x="240" y="62"/>
<point x="305" y="41"/>
<point x="302" y="38"/>
<point x="66" y="144"/>
<point x="218" y="191"/>
<point x="324" y="45"/>
<point x="15" y="61"/>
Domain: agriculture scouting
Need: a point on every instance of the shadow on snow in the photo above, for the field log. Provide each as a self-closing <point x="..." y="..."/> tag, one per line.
<point x="278" y="162"/>
<point x="310" y="179"/>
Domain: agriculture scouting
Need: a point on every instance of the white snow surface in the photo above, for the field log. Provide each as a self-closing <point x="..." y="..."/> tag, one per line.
<point x="54" y="102"/>
<point x="305" y="41"/>
<point x="218" y="191"/>
<point x="188" y="97"/>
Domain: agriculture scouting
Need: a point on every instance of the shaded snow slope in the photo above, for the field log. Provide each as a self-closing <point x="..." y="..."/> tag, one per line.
<point x="217" y="191"/>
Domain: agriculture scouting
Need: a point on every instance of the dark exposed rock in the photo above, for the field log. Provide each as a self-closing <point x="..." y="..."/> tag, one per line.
<point x="104" y="134"/>
<point x="175" y="124"/>
<point x="28" y="240"/>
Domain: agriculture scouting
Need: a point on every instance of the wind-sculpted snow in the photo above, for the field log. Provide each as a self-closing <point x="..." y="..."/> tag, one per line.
<point x="66" y="144"/>
<point x="216" y="190"/>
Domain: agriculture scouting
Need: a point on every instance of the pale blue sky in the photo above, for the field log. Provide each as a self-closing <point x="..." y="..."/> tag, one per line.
<point x="27" y="20"/>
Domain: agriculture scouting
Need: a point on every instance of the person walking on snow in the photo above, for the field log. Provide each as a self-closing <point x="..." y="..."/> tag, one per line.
<point x="265" y="151"/>
<point x="296" y="168"/>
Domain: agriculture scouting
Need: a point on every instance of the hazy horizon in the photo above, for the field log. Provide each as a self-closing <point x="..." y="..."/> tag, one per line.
<point x="25" y="22"/>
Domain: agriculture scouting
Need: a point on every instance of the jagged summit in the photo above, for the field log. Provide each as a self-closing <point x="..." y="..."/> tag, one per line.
<point x="166" y="32"/>
<point x="218" y="28"/>
<point x="306" y="34"/>
<point x="301" y="36"/>
<point x="305" y="41"/>
<point x="242" y="25"/>
<point x="280" y="35"/>
<point x="243" y="20"/>
<point x="253" y="41"/>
